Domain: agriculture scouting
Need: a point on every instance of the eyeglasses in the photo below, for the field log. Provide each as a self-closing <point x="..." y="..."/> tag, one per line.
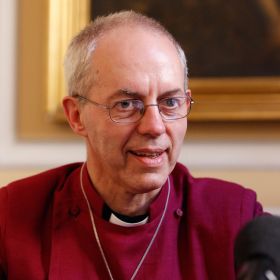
<point x="132" y="110"/>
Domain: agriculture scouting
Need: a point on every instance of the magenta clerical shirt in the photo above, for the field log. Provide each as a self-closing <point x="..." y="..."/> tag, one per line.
<point x="46" y="232"/>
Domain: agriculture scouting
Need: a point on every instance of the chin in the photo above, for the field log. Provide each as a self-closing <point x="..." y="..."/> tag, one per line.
<point x="148" y="182"/>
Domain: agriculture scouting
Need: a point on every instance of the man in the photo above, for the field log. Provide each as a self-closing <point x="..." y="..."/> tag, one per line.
<point x="130" y="211"/>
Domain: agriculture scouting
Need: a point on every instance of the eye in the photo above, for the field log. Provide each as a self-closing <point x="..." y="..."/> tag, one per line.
<point x="171" y="103"/>
<point x="124" y="104"/>
<point x="128" y="104"/>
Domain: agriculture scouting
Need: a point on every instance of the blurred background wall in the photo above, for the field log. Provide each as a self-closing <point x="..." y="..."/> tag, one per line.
<point x="244" y="152"/>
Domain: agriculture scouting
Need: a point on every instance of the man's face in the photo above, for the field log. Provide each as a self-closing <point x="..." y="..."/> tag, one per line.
<point x="134" y="157"/>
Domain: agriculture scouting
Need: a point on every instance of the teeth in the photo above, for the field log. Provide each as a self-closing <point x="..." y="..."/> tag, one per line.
<point x="151" y="155"/>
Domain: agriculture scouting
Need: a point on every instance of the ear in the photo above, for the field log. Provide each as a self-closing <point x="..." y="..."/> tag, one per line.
<point x="72" y="111"/>
<point x="188" y="92"/>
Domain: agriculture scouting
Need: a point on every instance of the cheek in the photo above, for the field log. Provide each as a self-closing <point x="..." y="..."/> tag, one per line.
<point x="177" y="134"/>
<point x="180" y="126"/>
<point x="109" y="138"/>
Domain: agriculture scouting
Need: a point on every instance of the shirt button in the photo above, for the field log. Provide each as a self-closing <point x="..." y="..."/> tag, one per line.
<point x="179" y="212"/>
<point x="74" y="211"/>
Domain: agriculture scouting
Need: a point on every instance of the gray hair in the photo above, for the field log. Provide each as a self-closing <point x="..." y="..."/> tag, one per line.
<point x="78" y="63"/>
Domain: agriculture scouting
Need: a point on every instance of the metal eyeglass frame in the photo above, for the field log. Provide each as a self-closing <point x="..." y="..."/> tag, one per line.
<point x="141" y="112"/>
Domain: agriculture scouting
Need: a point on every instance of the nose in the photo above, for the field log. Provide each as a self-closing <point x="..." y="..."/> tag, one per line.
<point x="151" y="122"/>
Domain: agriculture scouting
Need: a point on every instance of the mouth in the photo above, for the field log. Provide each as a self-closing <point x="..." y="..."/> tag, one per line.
<point x="149" y="157"/>
<point x="147" y="154"/>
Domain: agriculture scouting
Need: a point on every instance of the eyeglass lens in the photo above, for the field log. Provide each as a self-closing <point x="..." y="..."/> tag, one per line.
<point x="132" y="110"/>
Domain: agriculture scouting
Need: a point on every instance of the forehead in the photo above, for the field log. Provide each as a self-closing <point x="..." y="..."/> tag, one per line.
<point x="133" y="38"/>
<point x="129" y="54"/>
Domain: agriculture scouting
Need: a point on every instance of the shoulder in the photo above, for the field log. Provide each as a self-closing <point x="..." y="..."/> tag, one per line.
<point x="205" y="187"/>
<point x="25" y="201"/>
<point x="26" y="206"/>
<point x="48" y="179"/>
<point x="34" y="192"/>
<point x="216" y="195"/>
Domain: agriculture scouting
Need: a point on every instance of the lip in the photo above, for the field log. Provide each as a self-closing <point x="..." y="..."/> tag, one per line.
<point x="149" y="157"/>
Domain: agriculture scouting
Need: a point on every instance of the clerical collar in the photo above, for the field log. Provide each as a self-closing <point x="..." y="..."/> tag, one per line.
<point x="122" y="220"/>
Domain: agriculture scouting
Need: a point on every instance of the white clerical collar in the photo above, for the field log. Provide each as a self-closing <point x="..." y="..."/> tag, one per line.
<point x="115" y="220"/>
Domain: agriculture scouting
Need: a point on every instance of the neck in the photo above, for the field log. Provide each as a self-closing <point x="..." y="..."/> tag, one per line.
<point x="130" y="204"/>
<point x="122" y="201"/>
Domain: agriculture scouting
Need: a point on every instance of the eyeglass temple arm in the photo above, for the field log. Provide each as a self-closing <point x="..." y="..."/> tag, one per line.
<point x="90" y="101"/>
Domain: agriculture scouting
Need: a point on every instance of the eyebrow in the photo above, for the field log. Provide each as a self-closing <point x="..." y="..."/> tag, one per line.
<point x="172" y="92"/>
<point x="130" y="93"/>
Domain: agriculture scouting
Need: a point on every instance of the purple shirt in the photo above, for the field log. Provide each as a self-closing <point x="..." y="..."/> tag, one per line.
<point x="46" y="232"/>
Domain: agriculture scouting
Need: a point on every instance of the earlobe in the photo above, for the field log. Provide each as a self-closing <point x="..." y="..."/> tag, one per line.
<point x="73" y="114"/>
